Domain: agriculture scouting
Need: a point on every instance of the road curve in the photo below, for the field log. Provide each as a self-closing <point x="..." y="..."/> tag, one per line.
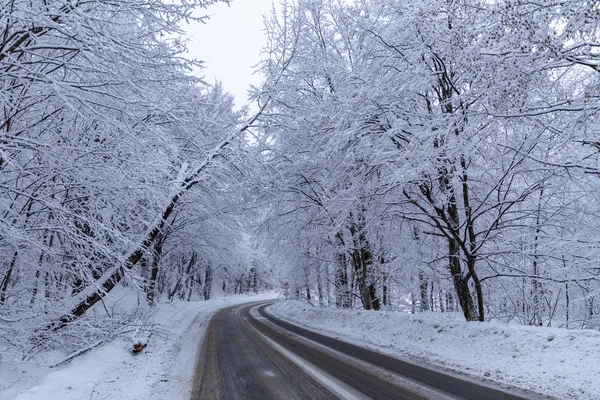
<point x="249" y="354"/>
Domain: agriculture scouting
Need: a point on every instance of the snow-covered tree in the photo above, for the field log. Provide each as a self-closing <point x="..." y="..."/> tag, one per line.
<point x="463" y="124"/>
<point x="103" y="136"/>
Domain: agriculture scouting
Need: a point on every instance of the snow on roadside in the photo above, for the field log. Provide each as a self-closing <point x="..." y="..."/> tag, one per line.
<point x="163" y="370"/>
<point x="556" y="362"/>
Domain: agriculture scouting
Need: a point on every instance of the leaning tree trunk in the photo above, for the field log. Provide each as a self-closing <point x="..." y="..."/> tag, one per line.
<point x="110" y="279"/>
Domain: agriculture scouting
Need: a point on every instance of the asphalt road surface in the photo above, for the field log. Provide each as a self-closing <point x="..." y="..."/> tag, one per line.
<point x="248" y="354"/>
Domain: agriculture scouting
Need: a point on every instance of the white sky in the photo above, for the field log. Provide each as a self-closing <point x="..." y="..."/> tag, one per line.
<point x="230" y="44"/>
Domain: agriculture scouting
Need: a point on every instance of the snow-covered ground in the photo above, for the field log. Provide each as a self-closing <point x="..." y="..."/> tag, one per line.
<point x="557" y="362"/>
<point x="163" y="370"/>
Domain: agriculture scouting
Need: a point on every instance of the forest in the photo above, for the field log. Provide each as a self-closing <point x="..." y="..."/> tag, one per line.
<point x="433" y="155"/>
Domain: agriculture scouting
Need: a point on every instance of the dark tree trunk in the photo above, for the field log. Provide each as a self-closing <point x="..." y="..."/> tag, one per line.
<point x="471" y="253"/>
<point x="6" y="279"/>
<point x="374" y="299"/>
<point x="384" y="289"/>
<point x="449" y="301"/>
<point x="461" y="283"/>
<point x="187" y="276"/>
<point x="567" y="305"/>
<point x="480" y="312"/>
<point x="423" y="283"/>
<point x="362" y="259"/>
<point x="208" y="280"/>
<point x="328" y="285"/>
<point x="151" y="290"/>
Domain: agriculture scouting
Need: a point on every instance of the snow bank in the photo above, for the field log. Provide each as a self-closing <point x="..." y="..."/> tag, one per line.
<point x="556" y="362"/>
<point x="163" y="370"/>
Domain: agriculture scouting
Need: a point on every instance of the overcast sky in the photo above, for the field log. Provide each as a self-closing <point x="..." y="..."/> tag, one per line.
<point x="230" y="43"/>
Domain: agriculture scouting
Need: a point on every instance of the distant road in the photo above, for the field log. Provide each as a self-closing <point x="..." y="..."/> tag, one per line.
<point x="249" y="354"/>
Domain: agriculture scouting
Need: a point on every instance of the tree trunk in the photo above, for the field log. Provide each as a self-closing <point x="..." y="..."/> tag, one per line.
<point x="328" y="285"/>
<point x="461" y="284"/>
<point x="362" y="259"/>
<point x="208" y="280"/>
<point x="384" y="289"/>
<point x="431" y="300"/>
<point x="151" y="291"/>
<point x="480" y="316"/>
<point x="360" y="268"/>
<point x="449" y="301"/>
<point x="187" y="276"/>
<point x="536" y="286"/>
<point x="423" y="290"/>
<point x="471" y="253"/>
<point x="6" y="279"/>
<point x="567" y="305"/>
<point x="374" y="299"/>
